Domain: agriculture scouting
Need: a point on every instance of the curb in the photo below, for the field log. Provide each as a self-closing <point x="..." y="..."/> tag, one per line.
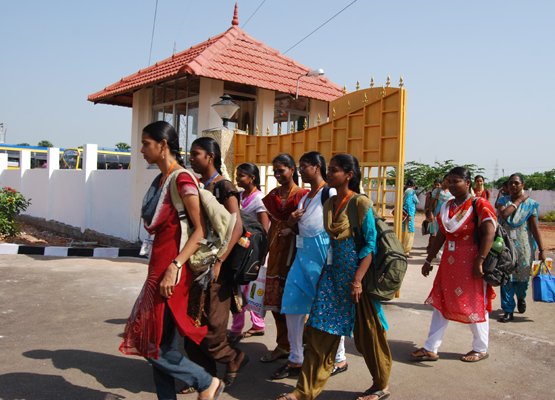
<point x="58" y="251"/>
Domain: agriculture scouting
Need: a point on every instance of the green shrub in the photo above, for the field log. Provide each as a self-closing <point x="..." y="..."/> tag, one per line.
<point x="549" y="216"/>
<point x="12" y="203"/>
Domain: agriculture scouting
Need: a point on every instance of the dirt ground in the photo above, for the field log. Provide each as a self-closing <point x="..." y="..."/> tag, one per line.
<point x="33" y="236"/>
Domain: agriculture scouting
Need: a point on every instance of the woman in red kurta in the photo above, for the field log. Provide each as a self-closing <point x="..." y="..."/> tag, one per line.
<point x="159" y="317"/>
<point x="459" y="292"/>
<point x="280" y="203"/>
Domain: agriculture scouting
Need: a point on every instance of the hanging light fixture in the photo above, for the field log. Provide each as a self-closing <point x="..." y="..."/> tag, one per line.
<point x="225" y="108"/>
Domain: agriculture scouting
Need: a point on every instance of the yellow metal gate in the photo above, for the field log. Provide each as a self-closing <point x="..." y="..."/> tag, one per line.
<point x="367" y="123"/>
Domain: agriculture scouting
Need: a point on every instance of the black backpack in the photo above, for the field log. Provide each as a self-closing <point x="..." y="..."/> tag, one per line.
<point x="497" y="268"/>
<point x="389" y="264"/>
<point x="243" y="263"/>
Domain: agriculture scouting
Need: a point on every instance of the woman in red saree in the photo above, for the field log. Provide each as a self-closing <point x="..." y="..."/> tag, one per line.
<point x="459" y="292"/>
<point x="159" y="317"/>
<point x="280" y="203"/>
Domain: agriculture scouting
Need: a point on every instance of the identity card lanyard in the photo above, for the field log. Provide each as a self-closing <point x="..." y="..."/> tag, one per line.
<point x="209" y="181"/>
<point x="308" y="199"/>
<point x="343" y="202"/>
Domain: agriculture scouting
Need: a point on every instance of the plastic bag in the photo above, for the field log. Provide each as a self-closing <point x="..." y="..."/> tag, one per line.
<point x="255" y="293"/>
<point x="538" y="263"/>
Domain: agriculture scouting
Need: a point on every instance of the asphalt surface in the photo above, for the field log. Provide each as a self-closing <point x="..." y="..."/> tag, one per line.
<point x="61" y="321"/>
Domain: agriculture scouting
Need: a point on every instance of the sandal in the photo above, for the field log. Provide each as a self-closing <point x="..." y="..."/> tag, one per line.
<point x="423" y="355"/>
<point x="186" y="390"/>
<point x="378" y="395"/>
<point x="337" y="370"/>
<point x="230" y="376"/>
<point x="474" y="356"/>
<point x="277" y="354"/>
<point x="253" y="332"/>
<point x="286" y="396"/>
<point x="286" y="371"/>
<point x="217" y="393"/>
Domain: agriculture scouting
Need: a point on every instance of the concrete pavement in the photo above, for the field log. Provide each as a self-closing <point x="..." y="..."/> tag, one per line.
<point x="61" y="321"/>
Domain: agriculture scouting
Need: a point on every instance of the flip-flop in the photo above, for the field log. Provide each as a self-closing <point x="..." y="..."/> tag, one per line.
<point x="424" y="355"/>
<point x="187" y="390"/>
<point x="382" y="395"/>
<point x="286" y="396"/>
<point x="253" y="332"/>
<point x="337" y="370"/>
<point x="230" y="377"/>
<point x="286" y="371"/>
<point x="476" y="356"/>
<point x="217" y="393"/>
<point x="274" y="355"/>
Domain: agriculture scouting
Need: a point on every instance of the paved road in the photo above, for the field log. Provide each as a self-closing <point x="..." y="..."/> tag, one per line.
<point x="61" y="321"/>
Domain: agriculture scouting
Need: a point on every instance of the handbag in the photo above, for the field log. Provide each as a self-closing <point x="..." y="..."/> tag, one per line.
<point x="544" y="285"/>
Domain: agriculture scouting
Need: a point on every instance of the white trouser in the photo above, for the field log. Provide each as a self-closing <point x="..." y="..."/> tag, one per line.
<point x="340" y="355"/>
<point x="480" y="333"/>
<point x="295" y="329"/>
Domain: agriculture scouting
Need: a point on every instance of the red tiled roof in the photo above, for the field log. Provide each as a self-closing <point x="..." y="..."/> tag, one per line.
<point x="231" y="56"/>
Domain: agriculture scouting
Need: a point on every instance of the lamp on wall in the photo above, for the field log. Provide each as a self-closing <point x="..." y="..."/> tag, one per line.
<point x="314" y="72"/>
<point x="225" y="108"/>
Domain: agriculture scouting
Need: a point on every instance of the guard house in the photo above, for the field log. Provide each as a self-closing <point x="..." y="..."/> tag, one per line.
<point x="274" y="93"/>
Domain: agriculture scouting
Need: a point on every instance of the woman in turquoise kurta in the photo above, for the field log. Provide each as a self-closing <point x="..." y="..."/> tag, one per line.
<point x="519" y="215"/>
<point x="410" y="200"/>
<point x="341" y="307"/>
<point x="439" y="196"/>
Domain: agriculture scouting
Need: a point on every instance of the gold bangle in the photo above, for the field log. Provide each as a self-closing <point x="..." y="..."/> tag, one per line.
<point x="356" y="285"/>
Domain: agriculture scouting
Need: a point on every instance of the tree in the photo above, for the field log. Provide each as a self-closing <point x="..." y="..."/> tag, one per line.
<point x="424" y="175"/>
<point x="122" y="146"/>
<point x="23" y="144"/>
<point x="536" y="181"/>
<point x="45" y="143"/>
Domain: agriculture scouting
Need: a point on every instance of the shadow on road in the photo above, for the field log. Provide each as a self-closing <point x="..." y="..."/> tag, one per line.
<point x="413" y="306"/>
<point x="132" y="374"/>
<point x="24" y="385"/>
<point x="116" y="321"/>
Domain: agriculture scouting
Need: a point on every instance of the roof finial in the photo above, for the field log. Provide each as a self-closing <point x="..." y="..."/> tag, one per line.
<point x="235" y="21"/>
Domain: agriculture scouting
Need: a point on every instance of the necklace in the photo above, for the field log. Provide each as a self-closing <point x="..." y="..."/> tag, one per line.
<point x="342" y="203"/>
<point x="309" y="198"/>
<point x="170" y="169"/>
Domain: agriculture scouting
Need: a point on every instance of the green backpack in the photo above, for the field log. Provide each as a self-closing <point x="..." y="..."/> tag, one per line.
<point x="219" y="225"/>
<point x="389" y="264"/>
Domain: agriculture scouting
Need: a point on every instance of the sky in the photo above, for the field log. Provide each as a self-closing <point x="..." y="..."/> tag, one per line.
<point x="479" y="74"/>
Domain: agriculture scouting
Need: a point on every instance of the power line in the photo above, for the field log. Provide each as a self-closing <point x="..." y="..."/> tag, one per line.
<point x="310" y="34"/>
<point x="254" y="12"/>
<point x="152" y="36"/>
